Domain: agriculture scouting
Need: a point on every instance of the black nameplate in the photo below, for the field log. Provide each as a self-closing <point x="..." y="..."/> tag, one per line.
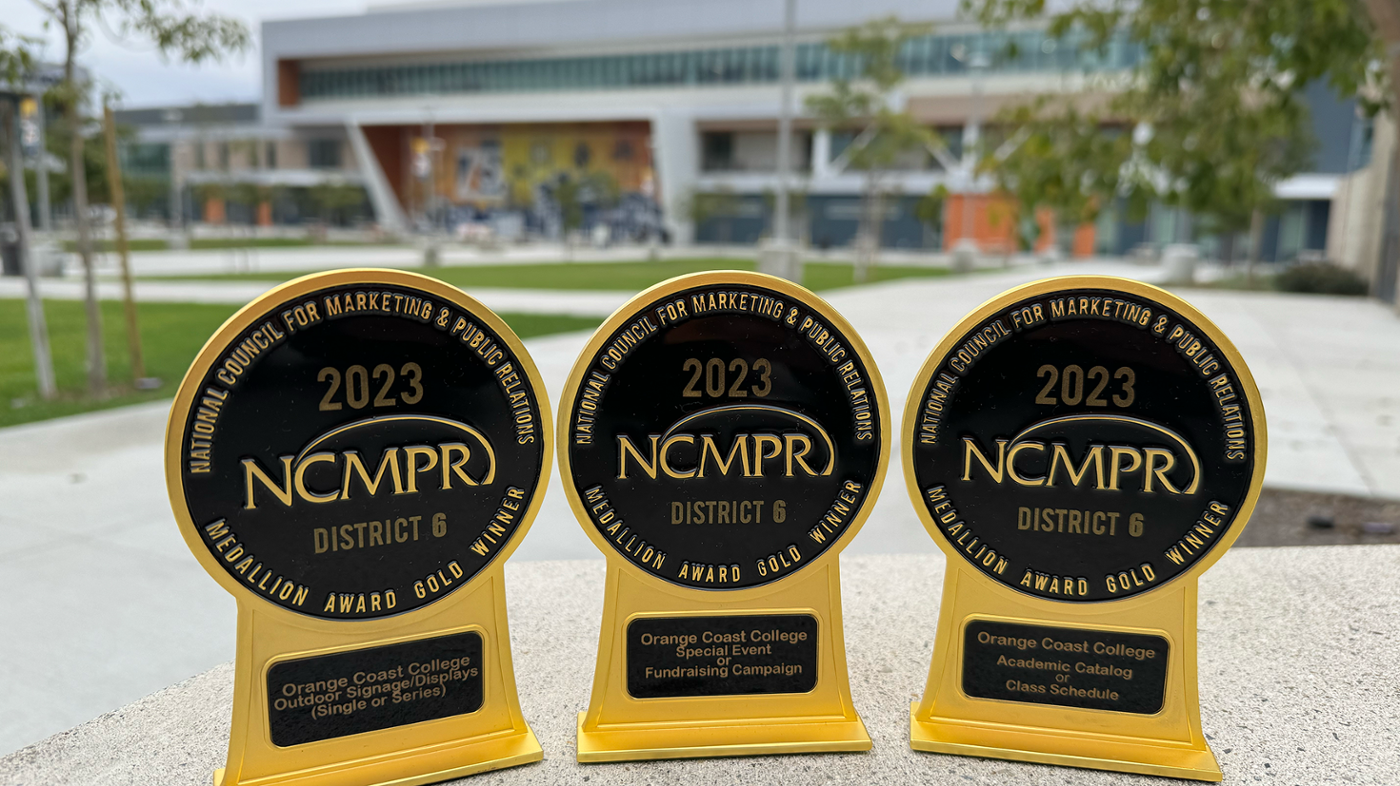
<point x="1071" y="667"/>
<point x="371" y="689"/>
<point x="669" y="657"/>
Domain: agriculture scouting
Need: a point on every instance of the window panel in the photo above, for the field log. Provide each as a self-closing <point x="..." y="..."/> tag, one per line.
<point x="930" y="55"/>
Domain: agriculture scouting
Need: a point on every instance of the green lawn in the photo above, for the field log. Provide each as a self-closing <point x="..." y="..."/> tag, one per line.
<point x="171" y="335"/>
<point x="621" y="276"/>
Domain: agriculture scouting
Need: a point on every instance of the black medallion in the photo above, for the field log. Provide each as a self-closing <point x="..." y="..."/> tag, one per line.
<point x="723" y="434"/>
<point x="1083" y="444"/>
<point x="361" y="450"/>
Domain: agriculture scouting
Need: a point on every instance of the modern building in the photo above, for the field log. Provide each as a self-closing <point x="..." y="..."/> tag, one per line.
<point x="487" y="106"/>
<point x="659" y="117"/>
<point x="222" y="164"/>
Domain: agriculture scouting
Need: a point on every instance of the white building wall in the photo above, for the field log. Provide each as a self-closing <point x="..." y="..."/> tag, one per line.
<point x="676" y="156"/>
<point x="1356" y="225"/>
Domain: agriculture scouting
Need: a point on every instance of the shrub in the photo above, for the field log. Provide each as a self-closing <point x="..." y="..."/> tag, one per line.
<point x="1321" y="278"/>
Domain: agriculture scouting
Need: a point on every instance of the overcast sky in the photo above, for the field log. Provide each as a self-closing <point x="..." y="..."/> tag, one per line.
<point x="138" y="71"/>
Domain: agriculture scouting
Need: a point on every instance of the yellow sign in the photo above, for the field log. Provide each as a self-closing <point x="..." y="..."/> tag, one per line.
<point x="353" y="456"/>
<point x="1081" y="449"/>
<point x="726" y="435"/>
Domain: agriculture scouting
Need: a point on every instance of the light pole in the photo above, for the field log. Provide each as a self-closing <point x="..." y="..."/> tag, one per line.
<point x="41" y="168"/>
<point x="781" y="258"/>
<point x="173" y="118"/>
<point x="965" y="250"/>
<point x="34" y="307"/>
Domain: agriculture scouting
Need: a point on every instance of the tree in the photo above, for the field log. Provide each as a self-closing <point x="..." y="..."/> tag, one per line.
<point x="144" y="192"/>
<point x="332" y="196"/>
<point x="58" y="143"/>
<point x="174" y="29"/>
<point x="212" y="191"/>
<point x="702" y="206"/>
<point x="1209" y="119"/>
<point x="865" y="106"/>
<point x="797" y="209"/>
<point x="600" y="188"/>
<point x="929" y="208"/>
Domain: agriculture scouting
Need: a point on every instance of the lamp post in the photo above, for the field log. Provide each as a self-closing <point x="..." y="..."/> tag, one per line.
<point x="38" y="153"/>
<point x="965" y="250"/>
<point x="173" y="117"/>
<point x="34" y="307"/>
<point x="782" y="231"/>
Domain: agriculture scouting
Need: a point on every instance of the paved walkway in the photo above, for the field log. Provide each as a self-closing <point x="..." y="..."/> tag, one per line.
<point x="108" y="605"/>
<point x="308" y="258"/>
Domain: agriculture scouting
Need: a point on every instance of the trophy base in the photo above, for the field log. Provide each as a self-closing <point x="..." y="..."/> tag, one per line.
<point x="699" y="741"/>
<point x="429" y="767"/>
<point x="1048" y="746"/>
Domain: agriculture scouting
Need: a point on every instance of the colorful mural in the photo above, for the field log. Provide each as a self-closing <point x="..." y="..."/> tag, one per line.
<point x="554" y="177"/>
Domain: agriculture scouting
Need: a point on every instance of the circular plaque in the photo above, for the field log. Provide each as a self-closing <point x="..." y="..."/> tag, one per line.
<point x="1084" y="439"/>
<point x="357" y="444"/>
<point x="724" y="431"/>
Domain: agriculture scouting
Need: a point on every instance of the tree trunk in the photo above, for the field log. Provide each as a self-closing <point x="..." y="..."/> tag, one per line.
<point x="118" y="197"/>
<point x="868" y="233"/>
<point x="1227" y="249"/>
<point x="1064" y="237"/>
<point x="96" y="359"/>
<point x="1256" y="240"/>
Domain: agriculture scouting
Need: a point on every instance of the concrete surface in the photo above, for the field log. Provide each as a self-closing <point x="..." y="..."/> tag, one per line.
<point x="108" y="604"/>
<point x="520" y="301"/>
<point x="1297" y="685"/>
<point x="307" y="258"/>
<point x="326" y="257"/>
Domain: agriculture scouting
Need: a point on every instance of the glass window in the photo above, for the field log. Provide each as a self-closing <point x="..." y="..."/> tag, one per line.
<point x="717" y="151"/>
<point x="926" y="55"/>
<point x="323" y="153"/>
<point x="1363" y="132"/>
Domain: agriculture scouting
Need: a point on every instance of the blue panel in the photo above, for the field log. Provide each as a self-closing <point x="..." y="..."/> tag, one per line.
<point x="1333" y="122"/>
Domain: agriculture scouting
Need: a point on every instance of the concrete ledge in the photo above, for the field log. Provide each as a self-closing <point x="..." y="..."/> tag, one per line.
<point x="1298" y="673"/>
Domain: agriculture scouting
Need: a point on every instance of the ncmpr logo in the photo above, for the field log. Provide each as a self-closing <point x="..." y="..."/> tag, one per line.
<point x="332" y="468"/>
<point x="751" y="441"/>
<point x="1110" y="453"/>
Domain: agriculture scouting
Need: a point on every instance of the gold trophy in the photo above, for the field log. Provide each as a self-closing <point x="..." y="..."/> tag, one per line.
<point x="726" y="436"/>
<point x="353" y="456"/>
<point x="1082" y="449"/>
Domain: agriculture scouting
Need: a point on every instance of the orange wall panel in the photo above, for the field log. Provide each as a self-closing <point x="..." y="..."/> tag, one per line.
<point x="214" y="211"/>
<point x="993" y="222"/>
<point x="387" y="145"/>
<point x="288" y="82"/>
<point x="994" y="226"/>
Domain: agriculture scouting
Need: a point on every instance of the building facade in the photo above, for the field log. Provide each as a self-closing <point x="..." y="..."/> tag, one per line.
<point x="222" y="164"/>
<point x="557" y="113"/>
<point x="658" y="118"/>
